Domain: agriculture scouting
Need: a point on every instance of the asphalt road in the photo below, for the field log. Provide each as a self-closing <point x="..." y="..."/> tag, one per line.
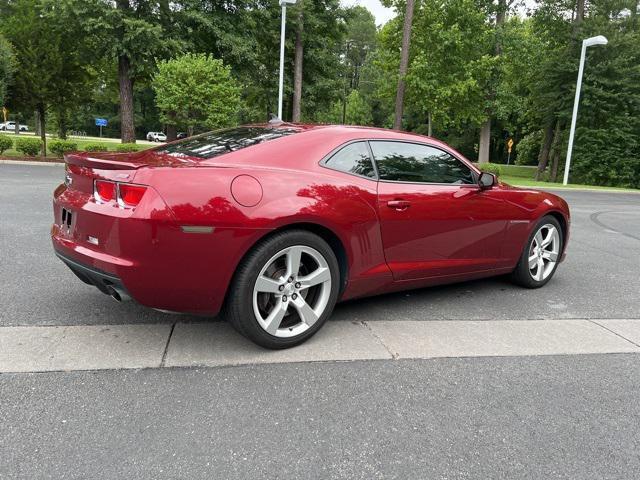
<point x="492" y="418"/>
<point x="454" y="418"/>
<point x="599" y="279"/>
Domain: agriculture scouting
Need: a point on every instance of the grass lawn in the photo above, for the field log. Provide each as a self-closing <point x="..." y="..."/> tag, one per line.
<point x="525" y="182"/>
<point x="521" y="171"/>
<point x="522" y="176"/>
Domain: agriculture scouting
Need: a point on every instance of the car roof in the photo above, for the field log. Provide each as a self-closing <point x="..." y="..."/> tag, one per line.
<point x="313" y="142"/>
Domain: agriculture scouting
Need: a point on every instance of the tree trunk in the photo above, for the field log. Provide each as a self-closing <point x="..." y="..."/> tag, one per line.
<point x="36" y="115"/>
<point x="127" y="127"/>
<point x="485" y="142"/>
<point x="404" y="63"/>
<point x="485" y="129"/>
<point x="543" y="156"/>
<point x="62" y="124"/>
<point x="501" y="17"/>
<point x="297" y="67"/>
<point x="42" y="128"/>
<point x="579" y="11"/>
<point x="429" y="125"/>
<point x="555" y="153"/>
<point x="171" y="133"/>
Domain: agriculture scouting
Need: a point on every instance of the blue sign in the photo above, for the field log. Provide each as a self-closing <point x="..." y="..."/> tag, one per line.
<point x="101" y="122"/>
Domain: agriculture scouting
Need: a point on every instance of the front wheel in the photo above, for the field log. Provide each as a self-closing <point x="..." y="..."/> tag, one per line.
<point x="284" y="290"/>
<point x="541" y="255"/>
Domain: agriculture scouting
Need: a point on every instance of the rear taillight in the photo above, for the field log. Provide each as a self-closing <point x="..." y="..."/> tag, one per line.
<point x="126" y="194"/>
<point x="129" y="195"/>
<point x="104" y="191"/>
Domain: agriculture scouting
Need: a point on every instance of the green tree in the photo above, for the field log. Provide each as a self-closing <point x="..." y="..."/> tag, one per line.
<point x="38" y="60"/>
<point x="358" y="50"/>
<point x="49" y="77"/>
<point x="196" y="90"/>
<point x="356" y="111"/>
<point x="133" y="33"/>
<point x="7" y="66"/>
<point x="449" y="65"/>
<point x="361" y="42"/>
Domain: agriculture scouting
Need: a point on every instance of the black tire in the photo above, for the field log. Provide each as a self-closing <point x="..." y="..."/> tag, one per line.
<point x="239" y="309"/>
<point x="522" y="275"/>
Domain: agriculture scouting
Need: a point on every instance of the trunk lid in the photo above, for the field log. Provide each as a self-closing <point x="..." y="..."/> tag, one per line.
<point x="127" y="161"/>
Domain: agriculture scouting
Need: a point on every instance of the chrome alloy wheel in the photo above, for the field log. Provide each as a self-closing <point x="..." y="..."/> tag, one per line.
<point x="543" y="252"/>
<point x="292" y="291"/>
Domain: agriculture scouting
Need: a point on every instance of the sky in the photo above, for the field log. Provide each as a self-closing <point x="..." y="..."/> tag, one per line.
<point x="381" y="13"/>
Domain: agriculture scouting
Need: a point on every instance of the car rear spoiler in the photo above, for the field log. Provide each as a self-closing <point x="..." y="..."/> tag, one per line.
<point x="106" y="162"/>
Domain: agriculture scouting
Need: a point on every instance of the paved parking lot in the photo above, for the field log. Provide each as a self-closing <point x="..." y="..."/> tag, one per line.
<point x="599" y="279"/>
<point x="397" y="409"/>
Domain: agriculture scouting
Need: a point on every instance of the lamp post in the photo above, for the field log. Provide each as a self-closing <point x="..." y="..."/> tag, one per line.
<point x="283" y="4"/>
<point x="587" y="42"/>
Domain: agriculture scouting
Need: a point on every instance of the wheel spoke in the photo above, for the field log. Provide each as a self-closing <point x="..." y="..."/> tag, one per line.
<point x="307" y="315"/>
<point x="551" y="256"/>
<point x="538" y="238"/>
<point x="274" y="319"/>
<point x="533" y="261"/>
<point x="551" y="233"/>
<point x="320" y="275"/>
<point x="540" y="272"/>
<point x="293" y="261"/>
<point x="267" y="285"/>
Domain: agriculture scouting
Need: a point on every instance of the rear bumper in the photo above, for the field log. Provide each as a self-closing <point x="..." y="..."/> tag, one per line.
<point x="103" y="281"/>
<point x="145" y="251"/>
<point x="154" y="263"/>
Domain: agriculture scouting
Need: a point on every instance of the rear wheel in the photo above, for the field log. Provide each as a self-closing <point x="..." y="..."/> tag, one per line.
<point x="284" y="290"/>
<point x="541" y="255"/>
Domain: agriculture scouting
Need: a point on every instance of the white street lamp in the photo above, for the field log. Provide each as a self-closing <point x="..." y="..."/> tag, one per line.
<point x="599" y="40"/>
<point x="283" y="4"/>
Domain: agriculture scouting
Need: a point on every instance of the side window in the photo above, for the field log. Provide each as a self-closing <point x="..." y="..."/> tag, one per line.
<point x="411" y="162"/>
<point x="354" y="158"/>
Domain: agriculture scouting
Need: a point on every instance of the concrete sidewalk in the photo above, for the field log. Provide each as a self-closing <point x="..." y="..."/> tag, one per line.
<point x="42" y="349"/>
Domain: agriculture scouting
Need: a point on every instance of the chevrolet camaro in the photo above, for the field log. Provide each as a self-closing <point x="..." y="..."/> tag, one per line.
<point x="273" y="224"/>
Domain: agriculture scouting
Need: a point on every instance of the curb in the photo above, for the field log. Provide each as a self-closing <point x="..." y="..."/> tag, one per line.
<point x="569" y="189"/>
<point x="30" y="162"/>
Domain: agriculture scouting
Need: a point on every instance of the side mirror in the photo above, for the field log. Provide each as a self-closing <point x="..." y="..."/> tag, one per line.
<point x="486" y="180"/>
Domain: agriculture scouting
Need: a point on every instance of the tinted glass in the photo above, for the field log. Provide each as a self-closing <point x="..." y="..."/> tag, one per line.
<point x="354" y="158"/>
<point x="212" y="144"/>
<point x="410" y="162"/>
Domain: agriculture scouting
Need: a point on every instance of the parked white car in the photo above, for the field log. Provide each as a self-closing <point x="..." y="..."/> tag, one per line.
<point x="11" y="127"/>
<point x="156" y="137"/>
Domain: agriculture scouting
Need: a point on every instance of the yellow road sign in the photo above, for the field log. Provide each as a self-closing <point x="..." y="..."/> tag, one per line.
<point x="5" y="113"/>
<point x="510" y="145"/>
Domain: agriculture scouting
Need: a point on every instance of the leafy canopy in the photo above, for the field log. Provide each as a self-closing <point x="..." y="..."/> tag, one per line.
<point x="7" y="66"/>
<point x="196" y="90"/>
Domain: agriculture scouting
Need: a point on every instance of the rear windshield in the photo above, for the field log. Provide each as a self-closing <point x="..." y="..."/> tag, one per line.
<point x="212" y="144"/>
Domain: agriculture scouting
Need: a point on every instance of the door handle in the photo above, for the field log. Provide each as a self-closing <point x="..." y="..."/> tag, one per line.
<point x="398" y="204"/>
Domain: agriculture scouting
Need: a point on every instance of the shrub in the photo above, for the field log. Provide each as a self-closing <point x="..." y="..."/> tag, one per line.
<point x="127" y="147"/>
<point x="491" y="168"/>
<point x="528" y="148"/>
<point x="59" y="147"/>
<point x="5" y="143"/>
<point x="95" y="147"/>
<point x="29" y="146"/>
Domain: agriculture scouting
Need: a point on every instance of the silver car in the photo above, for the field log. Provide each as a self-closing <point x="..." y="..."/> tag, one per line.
<point x="156" y="137"/>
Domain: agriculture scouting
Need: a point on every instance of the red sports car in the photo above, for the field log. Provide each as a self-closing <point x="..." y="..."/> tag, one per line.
<point x="273" y="224"/>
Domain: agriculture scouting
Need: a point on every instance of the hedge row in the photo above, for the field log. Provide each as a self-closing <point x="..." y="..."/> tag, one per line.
<point x="32" y="146"/>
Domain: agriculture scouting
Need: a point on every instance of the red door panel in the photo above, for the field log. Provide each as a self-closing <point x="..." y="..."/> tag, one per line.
<point x="436" y="230"/>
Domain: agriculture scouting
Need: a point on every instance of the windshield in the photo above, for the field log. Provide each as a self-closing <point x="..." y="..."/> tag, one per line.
<point x="212" y="144"/>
